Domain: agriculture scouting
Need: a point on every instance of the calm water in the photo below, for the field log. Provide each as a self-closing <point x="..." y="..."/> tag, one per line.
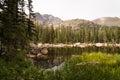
<point x="59" y="55"/>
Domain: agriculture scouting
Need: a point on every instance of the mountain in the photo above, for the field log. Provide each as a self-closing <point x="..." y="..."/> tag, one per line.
<point x="77" y="23"/>
<point x="109" y="21"/>
<point x="47" y="19"/>
<point x="39" y="17"/>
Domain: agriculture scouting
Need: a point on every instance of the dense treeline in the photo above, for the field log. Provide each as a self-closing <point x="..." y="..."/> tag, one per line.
<point x="16" y="30"/>
<point x="85" y="34"/>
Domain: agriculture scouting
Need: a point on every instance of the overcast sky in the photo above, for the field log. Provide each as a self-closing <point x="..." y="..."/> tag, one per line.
<point x="82" y="9"/>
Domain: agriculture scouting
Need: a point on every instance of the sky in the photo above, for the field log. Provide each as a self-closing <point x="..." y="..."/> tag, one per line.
<point x="78" y="9"/>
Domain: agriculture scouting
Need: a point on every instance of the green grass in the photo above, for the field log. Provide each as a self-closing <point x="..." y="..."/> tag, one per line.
<point x="88" y="66"/>
<point x="95" y="57"/>
<point x="92" y="66"/>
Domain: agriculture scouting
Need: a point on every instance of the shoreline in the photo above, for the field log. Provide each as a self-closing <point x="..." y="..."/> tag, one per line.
<point x="81" y="45"/>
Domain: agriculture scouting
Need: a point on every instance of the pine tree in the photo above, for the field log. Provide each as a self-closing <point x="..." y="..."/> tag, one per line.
<point x="31" y="27"/>
<point x="13" y="24"/>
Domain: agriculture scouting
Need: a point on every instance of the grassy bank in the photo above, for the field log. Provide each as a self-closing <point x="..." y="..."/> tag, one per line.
<point x="92" y="66"/>
<point x="88" y="66"/>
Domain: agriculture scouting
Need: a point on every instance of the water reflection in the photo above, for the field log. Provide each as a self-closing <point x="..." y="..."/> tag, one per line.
<point x="59" y="55"/>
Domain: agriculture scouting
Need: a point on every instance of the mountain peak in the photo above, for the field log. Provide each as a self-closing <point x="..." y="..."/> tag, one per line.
<point x="47" y="18"/>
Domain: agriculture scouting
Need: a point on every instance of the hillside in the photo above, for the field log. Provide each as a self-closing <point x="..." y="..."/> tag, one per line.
<point x="109" y="21"/>
<point x="78" y="23"/>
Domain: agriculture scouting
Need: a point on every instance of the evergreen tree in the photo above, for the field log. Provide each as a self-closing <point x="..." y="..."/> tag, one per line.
<point x="13" y="24"/>
<point x="31" y="27"/>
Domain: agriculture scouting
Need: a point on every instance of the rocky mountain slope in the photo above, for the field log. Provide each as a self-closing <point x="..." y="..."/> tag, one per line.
<point x="47" y="19"/>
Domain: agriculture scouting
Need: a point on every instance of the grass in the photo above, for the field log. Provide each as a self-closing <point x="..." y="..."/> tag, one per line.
<point x="88" y="66"/>
<point x="93" y="66"/>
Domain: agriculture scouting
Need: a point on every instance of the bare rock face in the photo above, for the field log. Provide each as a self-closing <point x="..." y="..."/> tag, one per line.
<point x="49" y="19"/>
<point x="46" y="19"/>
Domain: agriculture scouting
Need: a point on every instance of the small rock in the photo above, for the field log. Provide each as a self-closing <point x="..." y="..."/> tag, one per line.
<point x="31" y="56"/>
<point x="98" y="44"/>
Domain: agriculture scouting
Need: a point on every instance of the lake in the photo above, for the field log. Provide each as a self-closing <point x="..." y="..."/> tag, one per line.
<point x="57" y="56"/>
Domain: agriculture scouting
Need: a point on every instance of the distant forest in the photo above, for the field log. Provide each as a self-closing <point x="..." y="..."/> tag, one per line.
<point x="84" y="34"/>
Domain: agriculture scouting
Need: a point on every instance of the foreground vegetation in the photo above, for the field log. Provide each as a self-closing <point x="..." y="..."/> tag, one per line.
<point x="93" y="66"/>
<point x="88" y="66"/>
<point x="14" y="66"/>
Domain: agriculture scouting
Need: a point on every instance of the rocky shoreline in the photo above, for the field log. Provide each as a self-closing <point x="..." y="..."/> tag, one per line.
<point x="82" y="45"/>
<point x="40" y="51"/>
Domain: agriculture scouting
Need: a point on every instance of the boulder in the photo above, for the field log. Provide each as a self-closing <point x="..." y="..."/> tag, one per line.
<point x="39" y="54"/>
<point x="44" y="51"/>
<point x="31" y="56"/>
<point x="41" y="57"/>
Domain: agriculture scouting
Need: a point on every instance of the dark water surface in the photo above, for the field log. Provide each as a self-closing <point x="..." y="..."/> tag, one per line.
<point x="56" y="56"/>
